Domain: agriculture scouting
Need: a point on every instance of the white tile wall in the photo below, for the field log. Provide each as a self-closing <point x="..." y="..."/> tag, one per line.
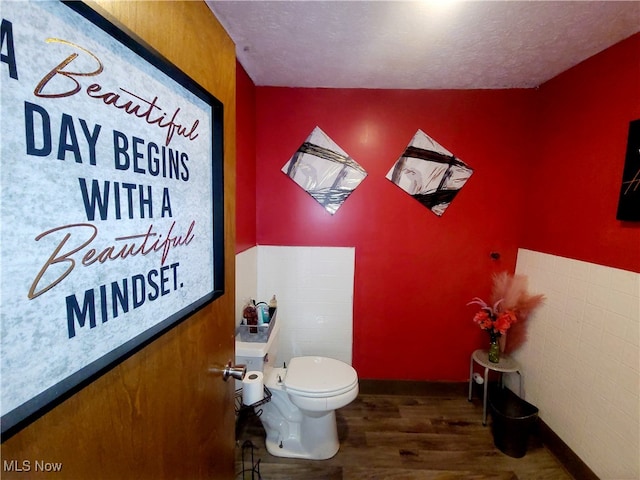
<point x="581" y="362"/>
<point x="314" y="288"/>
<point x="246" y="279"/>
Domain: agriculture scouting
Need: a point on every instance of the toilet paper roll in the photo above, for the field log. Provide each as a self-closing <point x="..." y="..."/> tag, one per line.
<point x="252" y="387"/>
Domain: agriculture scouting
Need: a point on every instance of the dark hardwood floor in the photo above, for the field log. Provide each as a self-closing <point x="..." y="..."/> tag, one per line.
<point x="399" y="434"/>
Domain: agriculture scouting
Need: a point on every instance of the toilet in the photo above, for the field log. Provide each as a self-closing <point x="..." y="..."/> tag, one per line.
<point x="300" y="419"/>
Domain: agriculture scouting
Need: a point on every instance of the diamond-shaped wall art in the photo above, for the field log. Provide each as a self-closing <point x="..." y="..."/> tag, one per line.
<point x="429" y="173"/>
<point x="324" y="170"/>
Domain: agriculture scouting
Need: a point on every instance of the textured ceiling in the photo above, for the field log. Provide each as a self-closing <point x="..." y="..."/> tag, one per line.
<point x="420" y="44"/>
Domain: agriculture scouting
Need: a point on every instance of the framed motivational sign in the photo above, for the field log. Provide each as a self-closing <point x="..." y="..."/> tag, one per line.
<point x="111" y="200"/>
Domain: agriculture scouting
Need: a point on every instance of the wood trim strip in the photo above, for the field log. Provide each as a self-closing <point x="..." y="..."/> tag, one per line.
<point x="410" y="387"/>
<point x="567" y="457"/>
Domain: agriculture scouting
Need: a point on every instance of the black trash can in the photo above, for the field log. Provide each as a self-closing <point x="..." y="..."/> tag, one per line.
<point x="513" y="420"/>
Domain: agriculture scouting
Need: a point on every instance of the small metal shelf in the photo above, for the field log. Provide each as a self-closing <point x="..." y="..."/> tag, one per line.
<point x="256" y="333"/>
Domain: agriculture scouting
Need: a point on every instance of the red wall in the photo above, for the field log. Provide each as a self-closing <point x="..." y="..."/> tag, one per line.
<point x="415" y="271"/>
<point x="245" y="161"/>
<point x="580" y="143"/>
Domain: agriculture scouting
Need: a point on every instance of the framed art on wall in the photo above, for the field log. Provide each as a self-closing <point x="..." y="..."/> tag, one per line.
<point x="629" y="199"/>
<point x="324" y="170"/>
<point x="429" y="173"/>
<point x="111" y="201"/>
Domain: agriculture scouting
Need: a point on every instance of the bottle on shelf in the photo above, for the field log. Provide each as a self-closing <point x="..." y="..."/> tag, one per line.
<point x="250" y="316"/>
<point x="273" y="304"/>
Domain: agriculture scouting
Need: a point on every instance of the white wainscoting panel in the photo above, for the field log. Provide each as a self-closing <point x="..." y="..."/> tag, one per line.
<point x="246" y="279"/>
<point x="314" y="288"/>
<point x="581" y="362"/>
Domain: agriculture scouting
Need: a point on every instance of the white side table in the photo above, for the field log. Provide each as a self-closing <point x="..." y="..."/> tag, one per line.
<point x="505" y="365"/>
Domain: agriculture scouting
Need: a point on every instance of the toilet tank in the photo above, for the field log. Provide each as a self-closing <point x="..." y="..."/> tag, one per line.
<point x="261" y="352"/>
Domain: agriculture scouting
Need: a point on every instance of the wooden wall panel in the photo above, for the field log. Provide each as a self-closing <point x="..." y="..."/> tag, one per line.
<point x="160" y="413"/>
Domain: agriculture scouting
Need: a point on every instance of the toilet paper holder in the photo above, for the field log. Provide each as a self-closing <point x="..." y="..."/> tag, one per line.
<point x="240" y="407"/>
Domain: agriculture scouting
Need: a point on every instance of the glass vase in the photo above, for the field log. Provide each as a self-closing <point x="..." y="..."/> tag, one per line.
<point x="494" y="351"/>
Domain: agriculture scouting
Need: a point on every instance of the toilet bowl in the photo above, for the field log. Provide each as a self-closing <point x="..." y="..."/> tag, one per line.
<point x="300" y="420"/>
<point x="299" y="417"/>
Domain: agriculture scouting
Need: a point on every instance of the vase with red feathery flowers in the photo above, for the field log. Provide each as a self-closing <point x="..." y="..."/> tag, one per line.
<point x="512" y="303"/>
<point x="495" y="321"/>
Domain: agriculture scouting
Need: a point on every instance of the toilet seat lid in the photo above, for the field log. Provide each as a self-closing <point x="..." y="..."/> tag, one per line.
<point x="319" y="377"/>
